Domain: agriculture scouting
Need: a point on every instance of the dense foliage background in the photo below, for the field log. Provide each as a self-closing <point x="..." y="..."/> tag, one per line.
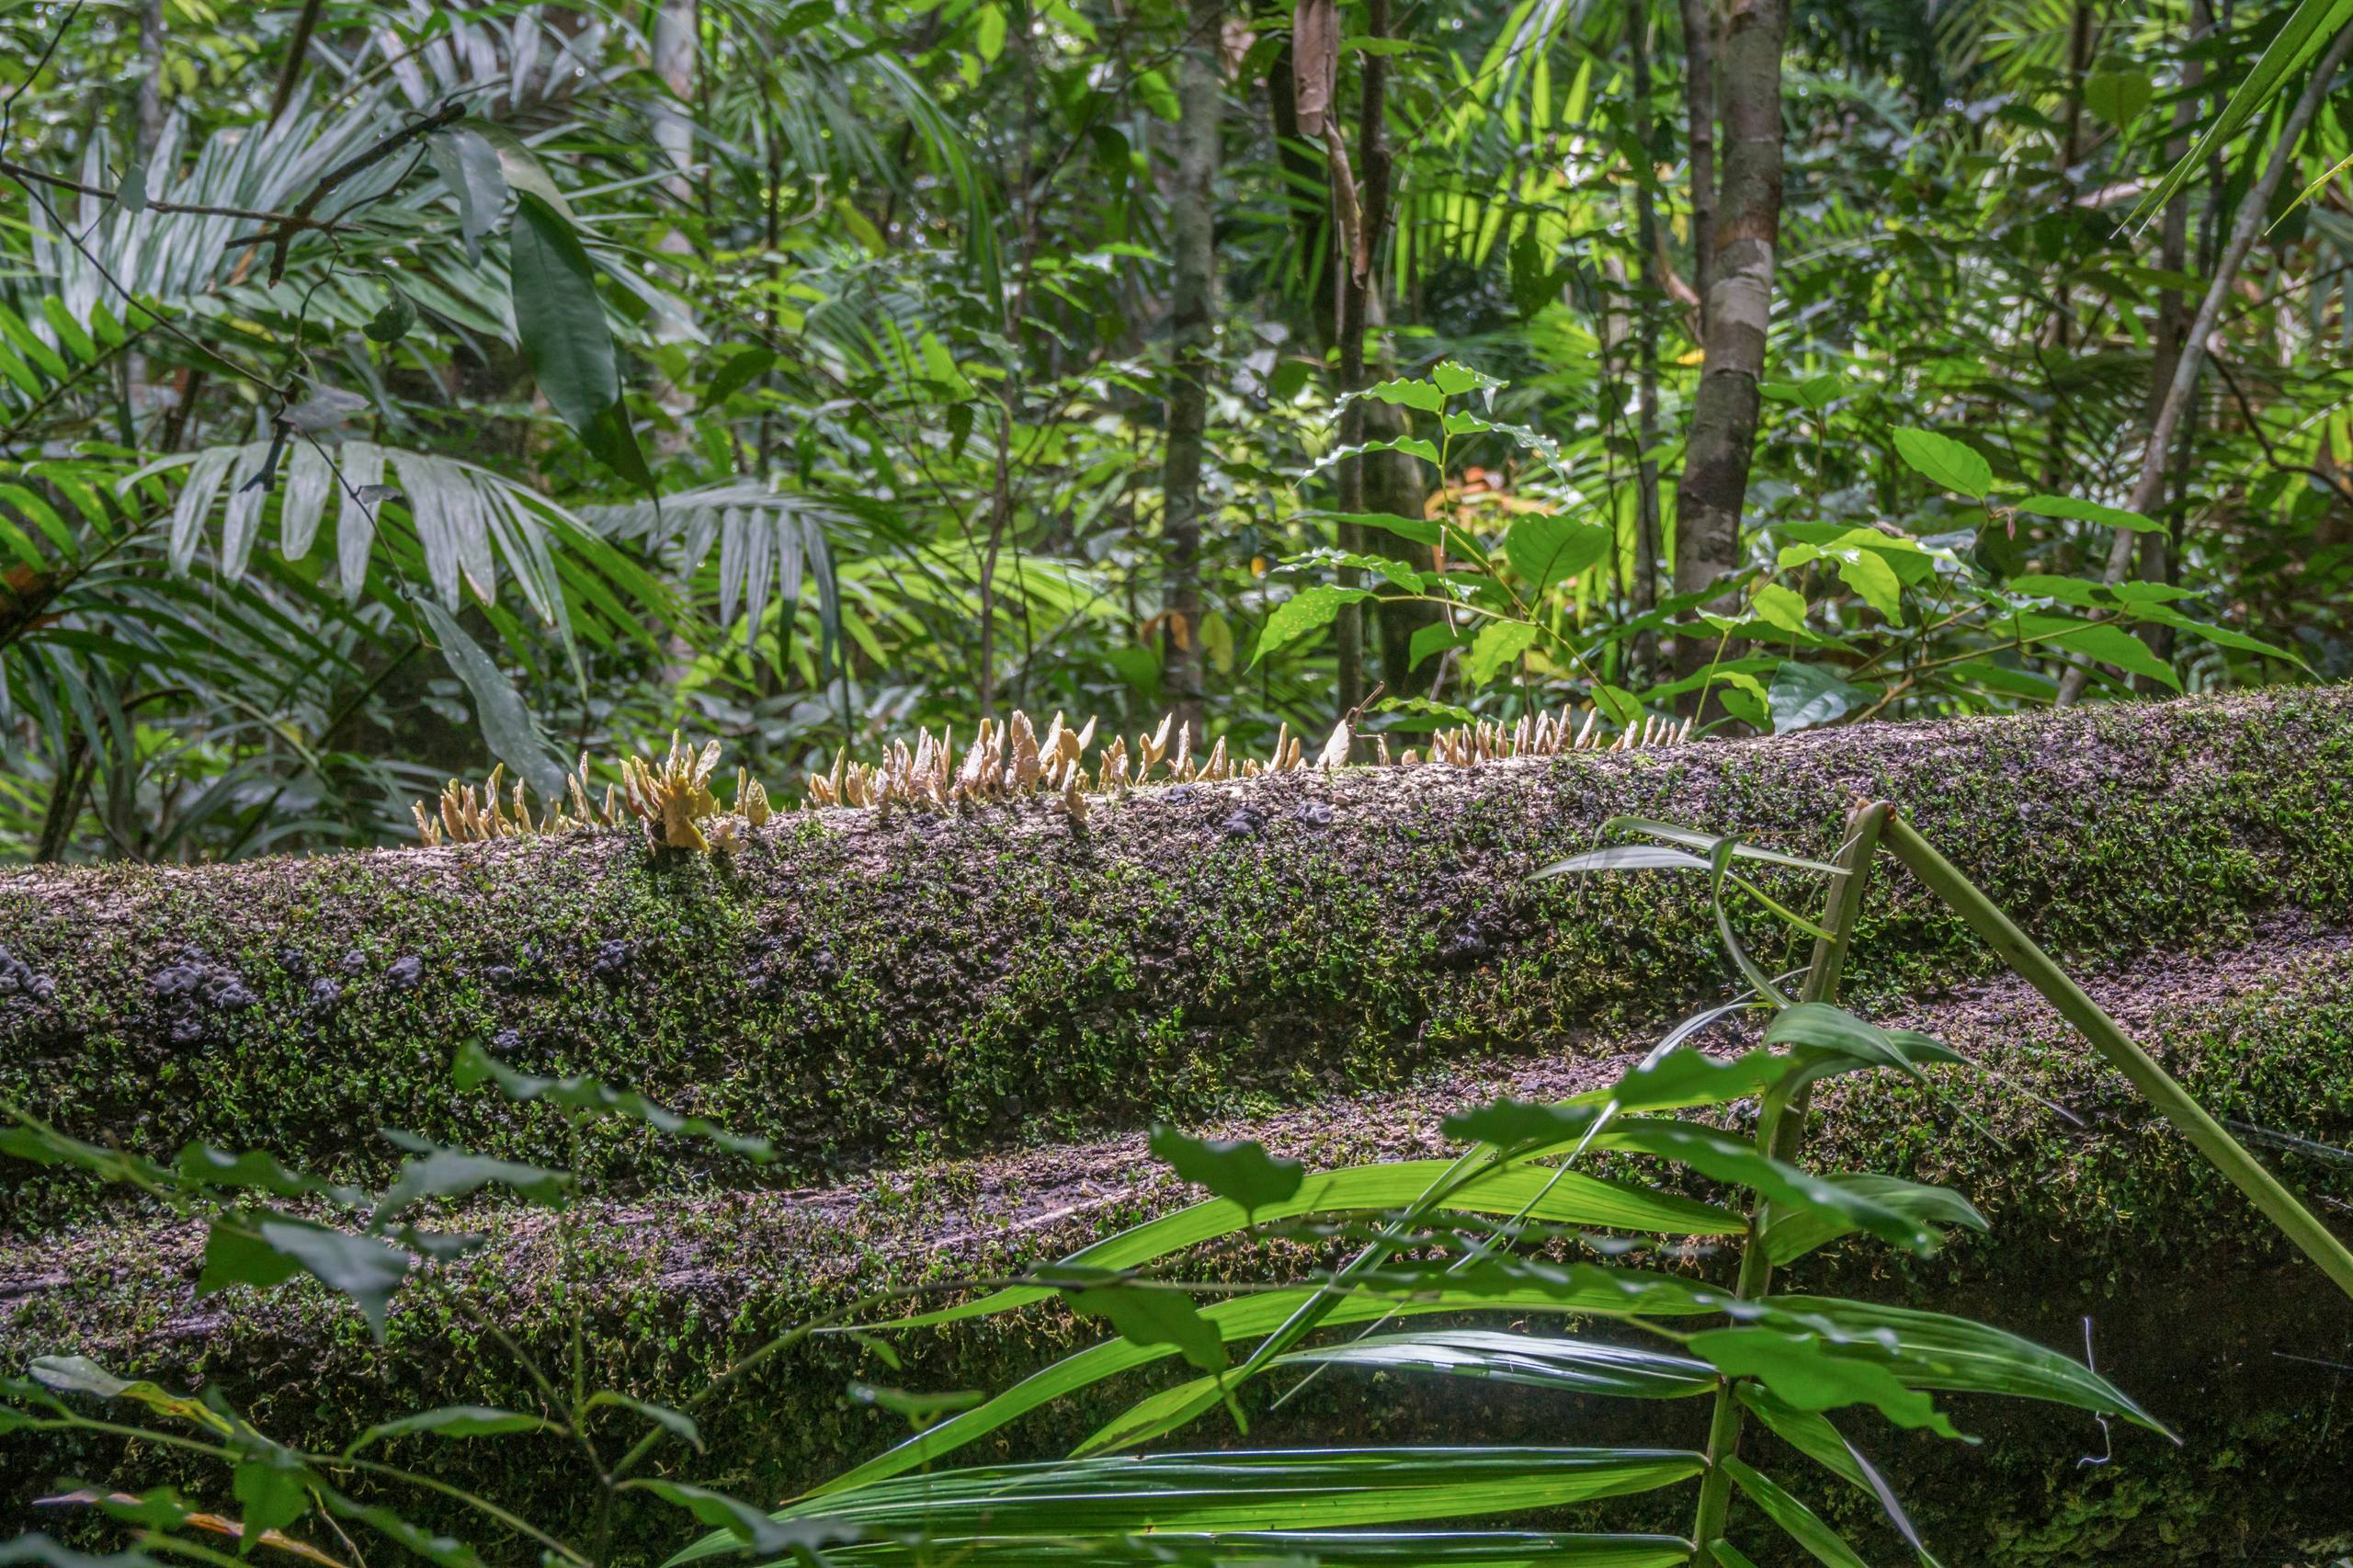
<point x="388" y="389"/>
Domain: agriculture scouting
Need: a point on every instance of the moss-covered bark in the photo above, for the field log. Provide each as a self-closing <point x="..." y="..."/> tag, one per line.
<point x="852" y="984"/>
<point x="2108" y="1216"/>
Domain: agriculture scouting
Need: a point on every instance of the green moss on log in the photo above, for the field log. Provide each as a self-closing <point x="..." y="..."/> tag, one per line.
<point x="855" y="986"/>
<point x="2111" y="1217"/>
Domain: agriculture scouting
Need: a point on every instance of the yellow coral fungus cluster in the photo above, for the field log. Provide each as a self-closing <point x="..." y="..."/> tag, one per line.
<point x="672" y="797"/>
<point x="1004" y="761"/>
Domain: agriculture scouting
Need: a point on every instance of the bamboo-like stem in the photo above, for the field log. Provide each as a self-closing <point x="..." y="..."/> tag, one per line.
<point x="2031" y="963"/>
<point x="1780" y="1128"/>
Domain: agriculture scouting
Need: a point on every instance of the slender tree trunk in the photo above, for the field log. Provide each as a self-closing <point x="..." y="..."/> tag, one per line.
<point x="1192" y="330"/>
<point x="1739" y="302"/>
<point x="148" y="134"/>
<point x="2181" y="390"/>
<point x="2172" y="330"/>
<point x="2058" y="329"/>
<point x="1700" y="91"/>
<point x="1354" y="237"/>
<point x="1646" y="514"/>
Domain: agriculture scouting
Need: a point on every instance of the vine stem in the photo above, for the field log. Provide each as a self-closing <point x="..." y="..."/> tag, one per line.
<point x="2156" y="1085"/>
<point x="1780" y="1129"/>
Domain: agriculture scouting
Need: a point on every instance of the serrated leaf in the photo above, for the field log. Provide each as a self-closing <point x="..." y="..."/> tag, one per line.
<point x="1241" y="1172"/>
<point x="1149" y="1317"/>
<point x="1948" y="463"/>
<point x="1308" y="610"/>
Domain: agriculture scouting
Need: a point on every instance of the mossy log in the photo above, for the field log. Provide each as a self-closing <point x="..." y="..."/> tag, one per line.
<point x="847" y="983"/>
<point x="881" y="994"/>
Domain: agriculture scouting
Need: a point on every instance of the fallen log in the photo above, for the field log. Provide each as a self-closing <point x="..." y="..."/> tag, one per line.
<point x="849" y="983"/>
<point x="2100" y="1216"/>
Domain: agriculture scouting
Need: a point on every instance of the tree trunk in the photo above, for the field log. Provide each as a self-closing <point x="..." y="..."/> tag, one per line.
<point x="1739" y="309"/>
<point x="1699" y="109"/>
<point x="1192" y="331"/>
<point x="1644" y="651"/>
<point x="2181" y="390"/>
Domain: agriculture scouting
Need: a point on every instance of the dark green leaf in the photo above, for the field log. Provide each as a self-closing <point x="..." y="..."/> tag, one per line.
<point x="565" y="338"/>
<point x="273" y="1490"/>
<point x="452" y="1173"/>
<point x="264" y="1251"/>
<point x="1576" y="1366"/>
<point x="1546" y="548"/>
<point x="675" y="1421"/>
<point x="1949" y="464"/>
<point x="1805" y="696"/>
<point x="1147" y="1317"/>
<point x="1810" y="1374"/>
<point x="1797" y="1522"/>
<point x="1240" y="1172"/>
<point x="454" y="1421"/>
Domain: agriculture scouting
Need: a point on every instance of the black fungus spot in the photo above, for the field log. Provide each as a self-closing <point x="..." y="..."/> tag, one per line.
<point x="326" y="995"/>
<point x="612" y="960"/>
<point x="506" y="1042"/>
<point x="499" y="976"/>
<point x="1245" y="822"/>
<point x="354" y="962"/>
<point x="178" y="980"/>
<point x="1313" y="814"/>
<point x="42" y="987"/>
<point x="1467" y="946"/>
<point x="188" y="1028"/>
<point x="1178" y="794"/>
<point x="407" y="973"/>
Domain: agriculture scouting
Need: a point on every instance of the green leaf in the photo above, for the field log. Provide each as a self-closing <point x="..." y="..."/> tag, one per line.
<point x="203" y="1166"/>
<point x="1574" y="1365"/>
<point x="273" y="1491"/>
<point x="920" y="1409"/>
<point x="742" y="368"/>
<point x="1791" y="1234"/>
<point x="1147" y="1317"/>
<point x="1240" y="1172"/>
<point x="561" y="322"/>
<point x="79" y="1374"/>
<point x="2103" y="640"/>
<point x="2088" y="511"/>
<point x="1809" y="1374"/>
<point x="2118" y="97"/>
<point x="2305" y="33"/>
<point x="1805" y="696"/>
<point x="1454" y="379"/>
<point x="592" y="1099"/>
<point x="452" y="1173"/>
<point x="264" y="1251"/>
<point x="470" y="167"/>
<point x="391" y="323"/>
<point x="1797" y="1522"/>
<point x="675" y="1421"/>
<point x="1525" y="1287"/>
<point x="1813" y="1435"/>
<point x="1948" y="463"/>
<point x="506" y="725"/>
<point x="1546" y="548"/>
<point x="1868" y="572"/>
<point x="1785" y="608"/>
<point x="1410" y="394"/>
<point x="1421" y="530"/>
<point x="1820" y="1026"/>
<point x="454" y="1421"/>
<point x="740" y="1524"/>
<point x="1498" y="643"/>
<point x="1308" y="610"/>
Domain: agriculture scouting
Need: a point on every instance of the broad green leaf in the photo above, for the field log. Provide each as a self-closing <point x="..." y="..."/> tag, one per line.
<point x="1309" y="609"/>
<point x="506" y="725"/>
<point x="1681" y="1078"/>
<point x="743" y="367"/>
<point x="207" y="1166"/>
<point x="1240" y="1172"/>
<point x="1421" y="530"/>
<point x="1492" y="652"/>
<point x="452" y="1173"/>
<point x="1545" y="548"/>
<point x="470" y="167"/>
<point x="1331" y="1548"/>
<point x="1785" y="608"/>
<point x="1805" y="696"/>
<point x="1798" y="1522"/>
<point x="265" y="1250"/>
<point x="79" y="1374"/>
<point x="272" y="1490"/>
<point x="559" y="320"/>
<point x="1423" y="395"/>
<point x="1146" y="1316"/>
<point x="1868" y="572"/>
<point x="2088" y="511"/>
<point x="1575" y="1366"/>
<point x="2117" y="97"/>
<point x="1454" y="379"/>
<point x="1810" y="1374"/>
<point x="1948" y="463"/>
<point x="2103" y="640"/>
<point x="1791" y="1234"/>
<point x="454" y="1421"/>
<point x="1822" y="1026"/>
<point x="1813" y="1435"/>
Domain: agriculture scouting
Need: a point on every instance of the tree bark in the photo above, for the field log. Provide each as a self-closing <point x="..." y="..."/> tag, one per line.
<point x="1361" y="212"/>
<point x="1644" y="651"/>
<point x="1739" y="298"/>
<point x="2181" y="390"/>
<point x="1192" y="331"/>
<point x="1699" y="111"/>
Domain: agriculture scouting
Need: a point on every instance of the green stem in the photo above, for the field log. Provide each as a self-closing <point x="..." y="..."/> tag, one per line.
<point x="2031" y="963"/>
<point x="1781" y="1127"/>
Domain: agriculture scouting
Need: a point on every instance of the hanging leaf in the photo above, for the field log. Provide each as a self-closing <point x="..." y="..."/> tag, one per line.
<point x="560" y="321"/>
<point x="1947" y="462"/>
<point x="1805" y="696"/>
<point x="1240" y="1172"/>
